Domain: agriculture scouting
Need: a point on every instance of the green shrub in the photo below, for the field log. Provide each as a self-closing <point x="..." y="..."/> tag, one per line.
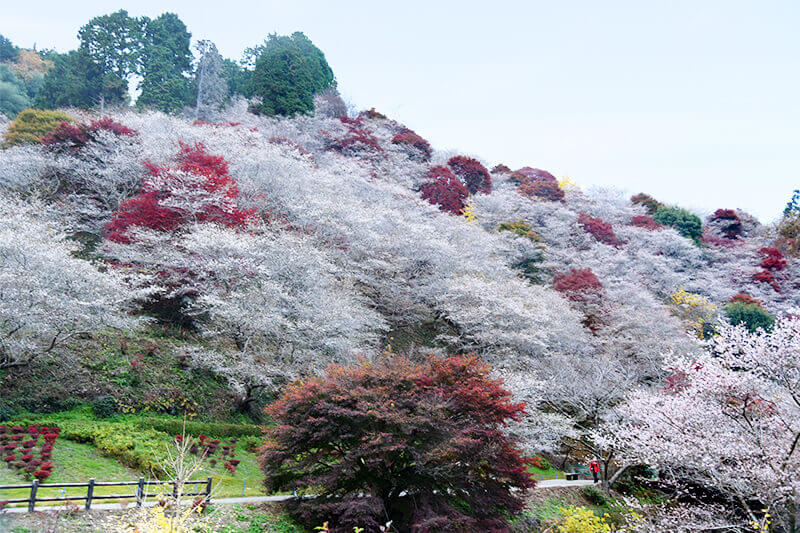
<point x="753" y="316"/>
<point x="687" y="224"/>
<point x="521" y="228"/>
<point x="595" y="496"/>
<point x="212" y="429"/>
<point x="104" y="406"/>
<point x="6" y="412"/>
<point x="47" y="404"/>
<point x="530" y="268"/>
<point x="31" y="125"/>
<point x="250" y="443"/>
<point x="541" y="463"/>
<point x="137" y="448"/>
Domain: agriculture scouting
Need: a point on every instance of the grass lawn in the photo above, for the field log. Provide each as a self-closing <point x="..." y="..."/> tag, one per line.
<point x="219" y="519"/>
<point x="540" y="474"/>
<point x="549" y="509"/>
<point x="248" y="520"/>
<point x="76" y="463"/>
<point x="228" y="486"/>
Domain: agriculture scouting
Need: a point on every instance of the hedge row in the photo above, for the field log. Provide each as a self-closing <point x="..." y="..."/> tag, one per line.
<point x="212" y="429"/>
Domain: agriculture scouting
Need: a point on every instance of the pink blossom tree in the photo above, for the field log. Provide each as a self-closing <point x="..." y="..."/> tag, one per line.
<point x="729" y="418"/>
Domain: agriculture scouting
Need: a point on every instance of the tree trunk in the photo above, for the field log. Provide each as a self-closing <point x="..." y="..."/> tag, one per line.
<point x="249" y="397"/>
<point x="616" y="475"/>
<point x="200" y="77"/>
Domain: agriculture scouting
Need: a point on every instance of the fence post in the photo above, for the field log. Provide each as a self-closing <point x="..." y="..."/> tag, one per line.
<point x="175" y="490"/>
<point x="89" y="494"/>
<point x="139" y="492"/>
<point x="208" y="489"/>
<point x="32" y="500"/>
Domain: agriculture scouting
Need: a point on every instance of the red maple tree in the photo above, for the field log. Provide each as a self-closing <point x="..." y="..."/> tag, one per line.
<point x="421" y="444"/>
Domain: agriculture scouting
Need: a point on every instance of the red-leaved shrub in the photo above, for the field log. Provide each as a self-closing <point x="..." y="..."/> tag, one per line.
<point x="712" y="240"/>
<point x="374" y="114"/>
<point x="394" y="434"/>
<point x="448" y="193"/>
<point x="536" y="183"/>
<point x="500" y="169"/>
<point x="472" y="173"/>
<point x="647" y="201"/>
<point x="599" y="229"/>
<point x="745" y="299"/>
<point x="528" y="174"/>
<point x="208" y="178"/>
<point x="765" y="276"/>
<point x="358" y="138"/>
<point x="69" y="137"/>
<point x="646" y="222"/>
<point x="772" y="259"/>
<point x="546" y="190"/>
<point x="439" y="171"/>
<point x="728" y="222"/>
<point x="409" y="138"/>
<point x="578" y="284"/>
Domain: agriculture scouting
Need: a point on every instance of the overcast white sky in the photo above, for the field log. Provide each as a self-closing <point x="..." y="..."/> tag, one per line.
<point x="694" y="102"/>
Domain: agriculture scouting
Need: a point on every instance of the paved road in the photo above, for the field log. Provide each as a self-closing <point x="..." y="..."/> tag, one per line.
<point x="550" y="483"/>
<point x="546" y="484"/>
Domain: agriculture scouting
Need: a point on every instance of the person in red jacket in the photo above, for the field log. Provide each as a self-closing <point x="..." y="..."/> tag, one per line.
<point x="594" y="467"/>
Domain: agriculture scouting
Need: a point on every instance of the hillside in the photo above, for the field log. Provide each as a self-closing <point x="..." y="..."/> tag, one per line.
<point x="160" y="264"/>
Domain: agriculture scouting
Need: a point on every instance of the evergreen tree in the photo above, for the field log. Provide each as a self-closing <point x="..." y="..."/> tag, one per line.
<point x="166" y="61"/>
<point x="13" y="97"/>
<point x="76" y="81"/>
<point x="113" y="43"/>
<point x="288" y="72"/>
<point x="239" y="79"/>
<point x="8" y="52"/>
<point x="793" y="206"/>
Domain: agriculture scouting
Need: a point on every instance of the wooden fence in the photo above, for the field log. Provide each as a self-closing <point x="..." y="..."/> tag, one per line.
<point x="141" y="491"/>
